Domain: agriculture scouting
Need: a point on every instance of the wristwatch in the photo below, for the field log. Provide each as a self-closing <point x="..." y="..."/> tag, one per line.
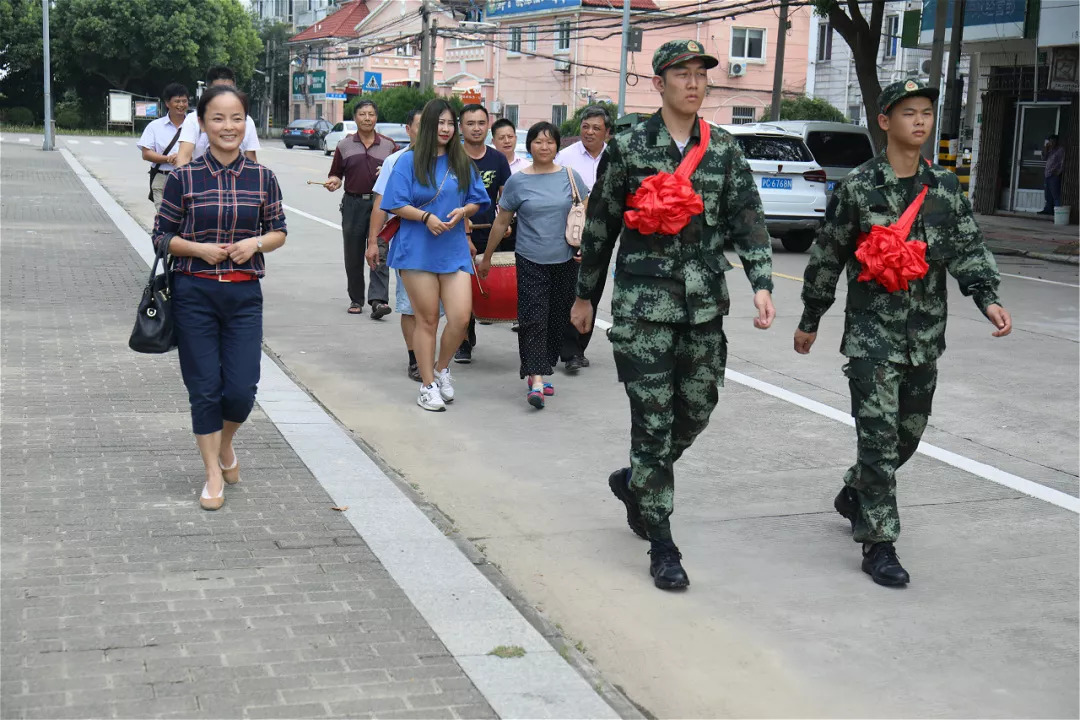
<point x="258" y="243"/>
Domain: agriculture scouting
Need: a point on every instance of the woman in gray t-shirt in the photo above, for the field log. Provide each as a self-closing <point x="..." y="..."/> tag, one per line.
<point x="541" y="197"/>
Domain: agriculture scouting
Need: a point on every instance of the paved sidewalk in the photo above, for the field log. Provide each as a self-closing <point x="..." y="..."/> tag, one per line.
<point x="120" y="598"/>
<point x="1036" y="237"/>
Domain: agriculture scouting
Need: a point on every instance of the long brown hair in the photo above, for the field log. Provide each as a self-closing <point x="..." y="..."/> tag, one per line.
<point x="426" y="148"/>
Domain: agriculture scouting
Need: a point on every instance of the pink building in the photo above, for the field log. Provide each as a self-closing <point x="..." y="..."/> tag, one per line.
<point x="533" y="60"/>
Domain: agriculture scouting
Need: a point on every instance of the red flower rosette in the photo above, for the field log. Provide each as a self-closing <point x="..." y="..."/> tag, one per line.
<point x="665" y="202"/>
<point x="888" y="257"/>
<point x="663" y="205"/>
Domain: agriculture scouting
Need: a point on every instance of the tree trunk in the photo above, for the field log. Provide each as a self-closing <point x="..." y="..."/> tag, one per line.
<point x="863" y="38"/>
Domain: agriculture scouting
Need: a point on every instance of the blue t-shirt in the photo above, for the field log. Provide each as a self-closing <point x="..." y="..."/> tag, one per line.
<point x="414" y="247"/>
<point x="542" y="203"/>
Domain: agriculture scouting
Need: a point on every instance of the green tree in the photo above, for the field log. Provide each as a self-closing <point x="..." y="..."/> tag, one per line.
<point x="394" y="103"/>
<point x="21" y="61"/>
<point x="805" y="107"/>
<point x="274" y="62"/>
<point x="571" y="127"/>
<point x="863" y="35"/>
<point x="142" y="45"/>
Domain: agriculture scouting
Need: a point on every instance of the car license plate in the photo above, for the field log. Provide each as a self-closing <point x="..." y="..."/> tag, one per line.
<point x="775" y="183"/>
<point x="830" y="186"/>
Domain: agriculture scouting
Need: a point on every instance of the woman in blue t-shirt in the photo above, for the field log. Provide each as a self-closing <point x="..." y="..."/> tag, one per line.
<point x="433" y="188"/>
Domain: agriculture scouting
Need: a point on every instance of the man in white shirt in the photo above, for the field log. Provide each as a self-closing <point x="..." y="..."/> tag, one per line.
<point x="378" y="219"/>
<point x="584" y="157"/>
<point x="193" y="141"/>
<point x="504" y="137"/>
<point x="159" y="139"/>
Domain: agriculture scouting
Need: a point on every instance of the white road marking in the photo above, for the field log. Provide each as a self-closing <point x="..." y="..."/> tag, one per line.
<point x="96" y="142"/>
<point x="309" y="216"/>
<point x="987" y="472"/>
<point x="119" y="142"/>
<point x="72" y="142"/>
<point x="1048" y="282"/>
<point x="25" y="140"/>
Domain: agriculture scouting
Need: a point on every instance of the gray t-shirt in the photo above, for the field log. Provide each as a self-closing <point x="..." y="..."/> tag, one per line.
<point x="542" y="203"/>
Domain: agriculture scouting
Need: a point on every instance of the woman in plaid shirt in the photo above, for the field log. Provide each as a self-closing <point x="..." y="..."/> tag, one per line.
<point x="220" y="214"/>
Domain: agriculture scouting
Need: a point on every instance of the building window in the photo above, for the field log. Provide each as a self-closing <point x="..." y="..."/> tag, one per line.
<point x="533" y="30"/>
<point x="406" y="50"/>
<point x="515" y="40"/>
<point x="352" y="50"/>
<point x="474" y="15"/>
<point x="742" y="115"/>
<point x="562" y="36"/>
<point x="318" y="110"/>
<point x="511" y="114"/>
<point x="855" y="114"/>
<point x="558" y="115"/>
<point x="892" y="33"/>
<point x="296" y="111"/>
<point x="748" y="44"/>
<point x="824" y="41"/>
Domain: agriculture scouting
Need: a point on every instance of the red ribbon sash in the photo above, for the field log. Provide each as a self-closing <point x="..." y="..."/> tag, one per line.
<point x="665" y="202"/>
<point x="888" y="257"/>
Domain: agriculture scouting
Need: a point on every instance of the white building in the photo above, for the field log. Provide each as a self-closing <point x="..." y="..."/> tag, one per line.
<point x="296" y="13"/>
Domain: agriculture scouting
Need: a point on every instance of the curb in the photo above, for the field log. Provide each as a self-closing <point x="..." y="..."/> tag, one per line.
<point x="1049" y="257"/>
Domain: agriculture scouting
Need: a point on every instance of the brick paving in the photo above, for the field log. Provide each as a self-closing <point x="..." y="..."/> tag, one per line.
<point x="119" y="597"/>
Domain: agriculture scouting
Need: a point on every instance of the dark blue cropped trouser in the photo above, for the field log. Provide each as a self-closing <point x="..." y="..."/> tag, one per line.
<point x="219" y="334"/>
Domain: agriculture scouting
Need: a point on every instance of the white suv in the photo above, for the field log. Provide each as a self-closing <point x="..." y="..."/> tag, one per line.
<point x="790" y="182"/>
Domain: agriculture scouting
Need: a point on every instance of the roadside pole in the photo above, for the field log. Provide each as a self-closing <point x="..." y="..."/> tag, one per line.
<point x="622" y="57"/>
<point x="49" y="142"/>
<point x="778" y="71"/>
<point x="937" y="52"/>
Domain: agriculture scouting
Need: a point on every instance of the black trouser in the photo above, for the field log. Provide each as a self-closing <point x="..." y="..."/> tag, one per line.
<point x="545" y="295"/>
<point x="574" y="343"/>
<point x="355" y="219"/>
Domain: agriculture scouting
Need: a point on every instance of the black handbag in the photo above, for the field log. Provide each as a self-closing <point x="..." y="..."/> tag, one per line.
<point x="153" y="331"/>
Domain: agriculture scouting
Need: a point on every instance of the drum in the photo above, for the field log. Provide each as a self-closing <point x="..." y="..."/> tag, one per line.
<point x="495" y="299"/>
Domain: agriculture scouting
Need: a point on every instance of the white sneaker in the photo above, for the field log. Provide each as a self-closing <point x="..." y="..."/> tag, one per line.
<point x="430" y="398"/>
<point x="445" y="383"/>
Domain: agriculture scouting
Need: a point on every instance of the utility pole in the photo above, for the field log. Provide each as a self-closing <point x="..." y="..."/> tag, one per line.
<point x="426" y="49"/>
<point x="778" y="71"/>
<point x="431" y="53"/>
<point x="622" y="56"/>
<point x="272" y="70"/>
<point x="937" y="52"/>
<point x="950" y="123"/>
<point x="266" y="86"/>
<point x="48" y="143"/>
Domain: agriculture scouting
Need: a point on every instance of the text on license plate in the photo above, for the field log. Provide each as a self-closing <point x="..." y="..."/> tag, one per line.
<point x="775" y="183"/>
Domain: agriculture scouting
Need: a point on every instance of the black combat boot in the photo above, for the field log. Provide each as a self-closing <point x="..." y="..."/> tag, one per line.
<point x="847" y="504"/>
<point x="619" y="482"/>
<point x="666" y="568"/>
<point x="881" y="563"/>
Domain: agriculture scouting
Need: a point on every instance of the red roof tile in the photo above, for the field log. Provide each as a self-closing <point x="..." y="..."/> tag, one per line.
<point x="340" y="24"/>
<point x="617" y="4"/>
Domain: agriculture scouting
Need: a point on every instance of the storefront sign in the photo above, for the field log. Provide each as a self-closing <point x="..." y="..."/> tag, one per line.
<point x="1063" y="64"/>
<point x="983" y="20"/>
<point x="502" y="8"/>
<point x="312" y="84"/>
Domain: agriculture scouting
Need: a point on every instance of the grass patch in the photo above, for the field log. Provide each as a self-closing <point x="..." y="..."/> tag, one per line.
<point x="508" y="651"/>
<point x="40" y="130"/>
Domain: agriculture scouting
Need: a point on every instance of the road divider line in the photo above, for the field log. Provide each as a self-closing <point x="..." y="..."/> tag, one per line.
<point x="974" y="467"/>
<point x="309" y="216"/>
<point x="1034" y="279"/>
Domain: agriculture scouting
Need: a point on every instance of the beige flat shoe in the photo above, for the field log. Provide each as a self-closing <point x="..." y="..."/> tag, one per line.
<point x="208" y="502"/>
<point x="231" y="474"/>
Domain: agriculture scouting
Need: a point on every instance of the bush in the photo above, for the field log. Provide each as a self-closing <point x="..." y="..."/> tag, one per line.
<point x="69" y="119"/>
<point x="395" y="103"/>
<point x="805" y="107"/>
<point x="19" y="116"/>
<point x="572" y="126"/>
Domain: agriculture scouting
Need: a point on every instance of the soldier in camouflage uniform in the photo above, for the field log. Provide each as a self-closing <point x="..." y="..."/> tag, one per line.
<point x="893" y="339"/>
<point x="670" y="295"/>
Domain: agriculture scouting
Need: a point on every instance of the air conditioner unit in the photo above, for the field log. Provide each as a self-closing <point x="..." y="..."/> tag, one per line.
<point x="925" y="67"/>
<point x="562" y="66"/>
<point x="497" y="106"/>
<point x="736" y="69"/>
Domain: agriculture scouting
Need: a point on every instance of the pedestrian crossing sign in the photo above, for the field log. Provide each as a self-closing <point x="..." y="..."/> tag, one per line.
<point x="372" y="82"/>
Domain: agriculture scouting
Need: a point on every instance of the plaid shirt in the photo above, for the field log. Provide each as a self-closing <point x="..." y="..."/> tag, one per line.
<point x="207" y="202"/>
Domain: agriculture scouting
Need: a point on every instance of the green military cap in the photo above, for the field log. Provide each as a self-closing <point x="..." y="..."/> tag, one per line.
<point x="896" y="92"/>
<point x="674" y="52"/>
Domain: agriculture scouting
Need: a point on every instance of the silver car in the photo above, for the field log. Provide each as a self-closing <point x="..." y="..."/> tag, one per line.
<point x="394" y="131"/>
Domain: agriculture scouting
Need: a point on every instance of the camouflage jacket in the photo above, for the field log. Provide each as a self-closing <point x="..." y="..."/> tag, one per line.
<point x="674" y="278"/>
<point x="906" y="326"/>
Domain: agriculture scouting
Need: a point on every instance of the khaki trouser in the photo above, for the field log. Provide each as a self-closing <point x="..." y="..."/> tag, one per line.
<point x="158" y="187"/>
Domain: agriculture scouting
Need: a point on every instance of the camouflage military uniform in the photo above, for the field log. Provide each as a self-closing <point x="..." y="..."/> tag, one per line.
<point x="893" y="340"/>
<point x="670" y="296"/>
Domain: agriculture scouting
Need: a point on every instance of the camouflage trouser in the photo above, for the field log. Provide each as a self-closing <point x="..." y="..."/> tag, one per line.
<point x="670" y="372"/>
<point x="891" y="404"/>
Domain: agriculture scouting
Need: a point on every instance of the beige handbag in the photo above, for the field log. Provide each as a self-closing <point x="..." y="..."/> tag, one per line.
<point x="575" y="219"/>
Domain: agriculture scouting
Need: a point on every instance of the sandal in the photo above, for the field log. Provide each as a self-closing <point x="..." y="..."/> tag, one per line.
<point x="355" y="309"/>
<point x="549" y="389"/>
<point x="536" y="398"/>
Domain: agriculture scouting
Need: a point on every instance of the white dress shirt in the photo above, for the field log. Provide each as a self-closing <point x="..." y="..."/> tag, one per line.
<point x="519" y="164"/>
<point x="156" y="137"/>
<point x="578" y="158"/>
<point x="191" y="133"/>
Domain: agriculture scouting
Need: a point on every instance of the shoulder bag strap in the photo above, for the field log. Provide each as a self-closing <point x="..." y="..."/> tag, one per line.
<point x="573" y="186"/>
<point x="170" y="145"/>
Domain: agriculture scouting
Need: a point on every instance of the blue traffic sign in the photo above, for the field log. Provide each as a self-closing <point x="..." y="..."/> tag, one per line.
<point x="335" y="96"/>
<point x="372" y="82"/>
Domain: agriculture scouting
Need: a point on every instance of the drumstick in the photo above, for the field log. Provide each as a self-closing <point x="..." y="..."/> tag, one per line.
<point x="476" y="276"/>
<point x="316" y="182"/>
<point x="480" y="226"/>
